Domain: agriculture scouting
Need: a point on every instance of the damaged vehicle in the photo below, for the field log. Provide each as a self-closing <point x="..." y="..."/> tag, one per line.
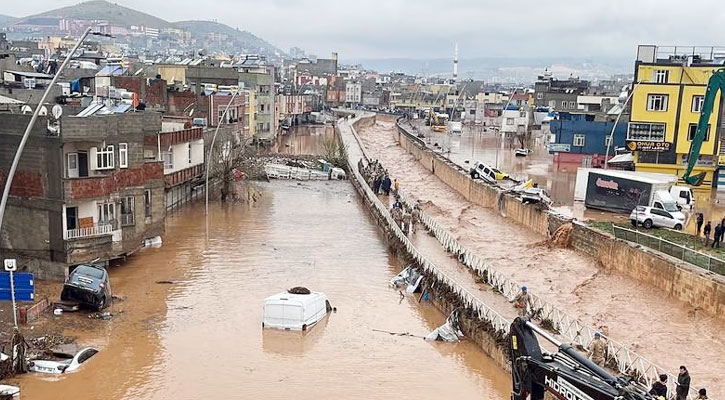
<point x="408" y="277"/>
<point x="89" y="285"/>
<point x="297" y="309"/>
<point x="62" y="364"/>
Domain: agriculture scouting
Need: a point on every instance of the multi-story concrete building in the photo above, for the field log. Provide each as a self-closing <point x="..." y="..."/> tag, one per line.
<point x="255" y="74"/>
<point x="560" y="95"/>
<point x="182" y="151"/>
<point x="668" y="95"/>
<point x="353" y="94"/>
<point x="89" y="193"/>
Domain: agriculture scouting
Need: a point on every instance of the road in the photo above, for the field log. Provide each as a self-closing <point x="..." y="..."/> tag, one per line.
<point x="668" y="332"/>
<point x="201" y="337"/>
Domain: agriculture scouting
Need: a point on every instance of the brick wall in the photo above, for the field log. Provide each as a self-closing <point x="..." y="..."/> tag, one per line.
<point x="92" y="187"/>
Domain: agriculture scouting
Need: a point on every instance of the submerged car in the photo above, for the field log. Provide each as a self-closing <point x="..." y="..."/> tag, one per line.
<point x="88" y="285"/>
<point x="297" y="309"/>
<point x="486" y="172"/>
<point x="62" y="365"/>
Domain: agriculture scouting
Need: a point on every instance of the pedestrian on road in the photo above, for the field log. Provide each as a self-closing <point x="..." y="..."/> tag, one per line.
<point x="397" y="214"/>
<point x="717" y="237"/>
<point x="396" y="187"/>
<point x="397" y="203"/>
<point x="722" y="229"/>
<point x="699" y="223"/>
<point x="407" y="218"/>
<point x="683" y="383"/>
<point x="597" y="350"/>
<point x="376" y="184"/>
<point x="415" y="217"/>
<point x="702" y="394"/>
<point x="706" y="231"/>
<point x="522" y="301"/>
<point x="659" y="388"/>
<point x="386" y="185"/>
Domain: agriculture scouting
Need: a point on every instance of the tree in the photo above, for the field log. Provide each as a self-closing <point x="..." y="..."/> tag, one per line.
<point x="227" y="157"/>
<point x="335" y="153"/>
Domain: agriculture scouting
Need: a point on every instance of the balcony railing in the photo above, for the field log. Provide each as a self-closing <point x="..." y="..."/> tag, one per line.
<point x="95" y="230"/>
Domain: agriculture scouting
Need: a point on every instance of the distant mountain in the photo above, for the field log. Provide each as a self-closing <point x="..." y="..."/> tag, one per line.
<point x="6" y="19"/>
<point x="236" y="40"/>
<point x="244" y="40"/>
<point x="99" y="9"/>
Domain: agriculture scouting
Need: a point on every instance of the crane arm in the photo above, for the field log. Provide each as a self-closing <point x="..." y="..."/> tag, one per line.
<point x="715" y="84"/>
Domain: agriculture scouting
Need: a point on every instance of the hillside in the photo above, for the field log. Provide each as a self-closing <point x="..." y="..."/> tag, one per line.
<point x="6" y="19"/>
<point x="99" y="9"/>
<point x="237" y="38"/>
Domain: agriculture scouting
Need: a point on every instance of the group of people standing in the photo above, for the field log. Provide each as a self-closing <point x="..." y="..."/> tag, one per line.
<point x="718" y="234"/>
<point x="659" y="388"/>
<point x="404" y="216"/>
<point x="378" y="179"/>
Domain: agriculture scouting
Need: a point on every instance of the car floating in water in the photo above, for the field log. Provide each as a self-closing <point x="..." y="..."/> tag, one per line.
<point x="297" y="309"/>
<point x="89" y="285"/>
<point x="62" y="365"/>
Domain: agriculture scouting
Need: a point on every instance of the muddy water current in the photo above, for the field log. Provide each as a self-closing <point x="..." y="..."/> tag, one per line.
<point x="200" y="337"/>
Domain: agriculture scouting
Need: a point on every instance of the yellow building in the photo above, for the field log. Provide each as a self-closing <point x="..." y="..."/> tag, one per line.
<point x="251" y="114"/>
<point x="172" y="73"/>
<point x="669" y="89"/>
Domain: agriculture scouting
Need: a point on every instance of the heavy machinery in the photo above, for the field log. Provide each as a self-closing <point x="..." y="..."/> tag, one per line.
<point x="567" y="374"/>
<point x="714" y="85"/>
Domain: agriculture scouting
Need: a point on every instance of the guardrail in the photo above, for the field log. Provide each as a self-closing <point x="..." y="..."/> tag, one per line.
<point x="500" y="324"/>
<point x="681" y="252"/>
<point x="95" y="230"/>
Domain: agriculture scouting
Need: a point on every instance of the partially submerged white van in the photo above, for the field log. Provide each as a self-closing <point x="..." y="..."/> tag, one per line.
<point x="297" y="312"/>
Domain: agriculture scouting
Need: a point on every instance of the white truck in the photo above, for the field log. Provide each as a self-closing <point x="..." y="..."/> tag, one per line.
<point x="455" y="127"/>
<point x="622" y="191"/>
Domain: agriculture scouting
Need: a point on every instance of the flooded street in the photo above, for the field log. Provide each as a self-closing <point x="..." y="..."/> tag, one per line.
<point x="201" y="337"/>
<point x="619" y="306"/>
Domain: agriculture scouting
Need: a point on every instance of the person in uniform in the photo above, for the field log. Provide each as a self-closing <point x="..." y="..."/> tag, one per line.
<point x="597" y="350"/>
<point x="522" y="301"/>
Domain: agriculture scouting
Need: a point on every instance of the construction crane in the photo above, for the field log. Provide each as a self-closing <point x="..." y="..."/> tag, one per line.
<point x="566" y="374"/>
<point x="714" y="85"/>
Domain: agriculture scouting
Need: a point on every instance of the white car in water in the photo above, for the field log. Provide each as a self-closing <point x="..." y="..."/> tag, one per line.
<point x="62" y="365"/>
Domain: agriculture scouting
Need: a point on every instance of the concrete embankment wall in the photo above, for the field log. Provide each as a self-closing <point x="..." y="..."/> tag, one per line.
<point x="673" y="277"/>
<point x="478" y="322"/>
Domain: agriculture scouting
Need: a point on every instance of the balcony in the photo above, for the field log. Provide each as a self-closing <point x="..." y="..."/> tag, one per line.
<point x="92" y="231"/>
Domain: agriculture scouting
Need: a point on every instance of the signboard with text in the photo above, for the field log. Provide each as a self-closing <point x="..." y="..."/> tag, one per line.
<point x="659" y="147"/>
<point x="560" y="147"/>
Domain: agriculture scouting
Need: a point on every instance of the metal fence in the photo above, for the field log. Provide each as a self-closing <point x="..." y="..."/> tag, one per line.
<point x="678" y="251"/>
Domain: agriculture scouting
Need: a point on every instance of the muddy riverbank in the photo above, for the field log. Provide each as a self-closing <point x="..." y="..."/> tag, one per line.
<point x="206" y="327"/>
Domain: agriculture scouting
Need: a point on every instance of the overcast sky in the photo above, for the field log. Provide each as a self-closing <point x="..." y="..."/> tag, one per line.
<point x="430" y="28"/>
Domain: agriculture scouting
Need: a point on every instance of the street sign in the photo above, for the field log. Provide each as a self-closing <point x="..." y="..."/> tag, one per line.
<point x="24" y="286"/>
<point x="10" y="264"/>
<point x="560" y="147"/>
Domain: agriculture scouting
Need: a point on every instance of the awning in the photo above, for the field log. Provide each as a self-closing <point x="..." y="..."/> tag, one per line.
<point x="9" y="100"/>
<point x="622" y="158"/>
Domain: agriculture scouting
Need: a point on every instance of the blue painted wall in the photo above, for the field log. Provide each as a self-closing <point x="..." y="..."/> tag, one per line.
<point x="567" y="125"/>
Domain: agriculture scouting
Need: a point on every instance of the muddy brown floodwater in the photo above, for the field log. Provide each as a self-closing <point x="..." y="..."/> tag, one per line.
<point x="201" y="338"/>
<point x="664" y="330"/>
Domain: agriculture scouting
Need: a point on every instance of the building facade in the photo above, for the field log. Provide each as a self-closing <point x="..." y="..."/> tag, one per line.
<point x="666" y="105"/>
<point x="583" y="138"/>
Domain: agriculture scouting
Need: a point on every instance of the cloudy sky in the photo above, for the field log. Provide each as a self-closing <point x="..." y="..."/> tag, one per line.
<point x="429" y="28"/>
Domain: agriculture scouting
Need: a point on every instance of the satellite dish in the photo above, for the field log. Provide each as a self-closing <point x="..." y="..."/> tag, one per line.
<point x="43" y="110"/>
<point x="57" y="111"/>
<point x="26" y="109"/>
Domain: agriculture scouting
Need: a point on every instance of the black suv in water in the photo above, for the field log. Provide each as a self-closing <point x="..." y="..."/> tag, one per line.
<point x="88" y="285"/>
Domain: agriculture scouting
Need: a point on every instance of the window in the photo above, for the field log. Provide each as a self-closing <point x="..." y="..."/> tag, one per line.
<point x="692" y="130"/>
<point x="697" y="102"/>
<point x="127" y="210"/>
<point x="572" y="105"/>
<point x="104" y="158"/>
<point x="106" y="213"/>
<point x="509" y="121"/>
<point x="189" y="153"/>
<point x="607" y="140"/>
<point x="657" y="102"/>
<point x="578" y="140"/>
<point x="123" y="155"/>
<point x="660" y="76"/>
<point x="147" y="203"/>
<point x="169" y="159"/>
<point x="72" y="165"/>
<point x="564" y="104"/>
<point x="230" y="117"/>
<point x="539" y="96"/>
<point x="638" y="131"/>
<point x="552" y="103"/>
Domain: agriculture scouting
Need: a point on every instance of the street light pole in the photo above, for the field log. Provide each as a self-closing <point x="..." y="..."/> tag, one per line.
<point x="208" y="158"/>
<point x="24" y="140"/>
<point x="611" y="135"/>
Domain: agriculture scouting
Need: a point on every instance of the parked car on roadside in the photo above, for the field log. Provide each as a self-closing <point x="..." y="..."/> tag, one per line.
<point x="650" y="216"/>
<point x="62" y="365"/>
<point x="89" y="285"/>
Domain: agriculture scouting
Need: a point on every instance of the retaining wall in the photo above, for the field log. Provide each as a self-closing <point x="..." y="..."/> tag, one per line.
<point x="478" y="322"/>
<point x="695" y="286"/>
